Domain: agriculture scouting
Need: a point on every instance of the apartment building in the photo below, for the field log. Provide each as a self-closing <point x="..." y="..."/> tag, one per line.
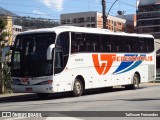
<point x="93" y="19"/>
<point x="148" y="17"/>
<point x="130" y="22"/>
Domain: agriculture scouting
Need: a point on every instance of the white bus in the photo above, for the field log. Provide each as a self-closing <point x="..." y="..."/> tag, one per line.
<point x="75" y="59"/>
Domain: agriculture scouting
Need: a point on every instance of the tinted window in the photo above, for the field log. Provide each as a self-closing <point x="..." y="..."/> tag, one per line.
<point x="106" y="43"/>
<point x="130" y="44"/>
<point x="92" y="42"/>
<point x="135" y="44"/>
<point x="62" y="59"/>
<point x="149" y="45"/>
<point x="63" y="42"/>
<point x="29" y="55"/>
<point x="117" y="44"/>
<point x="82" y="42"/>
<point x="78" y="42"/>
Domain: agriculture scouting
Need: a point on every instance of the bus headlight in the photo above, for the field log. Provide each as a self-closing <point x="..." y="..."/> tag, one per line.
<point x="46" y="82"/>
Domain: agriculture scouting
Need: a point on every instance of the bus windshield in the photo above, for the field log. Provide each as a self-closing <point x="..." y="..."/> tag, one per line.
<point x="29" y="55"/>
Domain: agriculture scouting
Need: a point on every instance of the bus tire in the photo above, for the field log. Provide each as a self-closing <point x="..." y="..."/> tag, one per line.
<point x="135" y="84"/>
<point x="42" y="95"/>
<point x="77" y="88"/>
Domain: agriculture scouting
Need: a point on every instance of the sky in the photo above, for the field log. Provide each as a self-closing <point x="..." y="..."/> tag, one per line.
<point x="52" y="9"/>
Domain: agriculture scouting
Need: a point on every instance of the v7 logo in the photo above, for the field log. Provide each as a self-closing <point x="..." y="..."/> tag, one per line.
<point x="103" y="64"/>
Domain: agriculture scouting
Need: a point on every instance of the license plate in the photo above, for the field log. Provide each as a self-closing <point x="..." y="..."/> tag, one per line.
<point x="29" y="89"/>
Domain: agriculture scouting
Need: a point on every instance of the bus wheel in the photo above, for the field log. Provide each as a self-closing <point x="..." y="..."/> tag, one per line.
<point x="135" y="84"/>
<point x="42" y="95"/>
<point x="77" y="88"/>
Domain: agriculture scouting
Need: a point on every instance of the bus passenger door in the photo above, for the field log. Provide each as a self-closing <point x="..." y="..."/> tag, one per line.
<point x="63" y="83"/>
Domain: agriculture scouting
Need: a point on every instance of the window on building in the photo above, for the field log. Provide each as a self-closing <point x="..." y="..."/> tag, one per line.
<point x="93" y="25"/>
<point x="88" y="19"/>
<point x="80" y="20"/>
<point x="93" y="19"/>
<point x="63" y="21"/>
<point x="68" y="20"/>
<point x="74" y="20"/>
<point x="88" y="25"/>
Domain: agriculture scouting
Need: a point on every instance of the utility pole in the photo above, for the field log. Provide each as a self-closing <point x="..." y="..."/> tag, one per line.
<point x="104" y="13"/>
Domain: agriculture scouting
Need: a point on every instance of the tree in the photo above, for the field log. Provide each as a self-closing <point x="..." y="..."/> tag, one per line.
<point x="3" y="35"/>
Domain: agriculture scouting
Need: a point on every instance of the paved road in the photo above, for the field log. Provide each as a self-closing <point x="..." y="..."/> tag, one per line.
<point x="147" y="98"/>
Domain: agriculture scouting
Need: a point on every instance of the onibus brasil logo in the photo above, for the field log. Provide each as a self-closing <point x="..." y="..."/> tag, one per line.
<point x="104" y="62"/>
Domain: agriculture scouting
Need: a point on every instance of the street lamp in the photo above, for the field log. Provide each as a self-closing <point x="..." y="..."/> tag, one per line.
<point x="104" y="14"/>
<point x="111" y="8"/>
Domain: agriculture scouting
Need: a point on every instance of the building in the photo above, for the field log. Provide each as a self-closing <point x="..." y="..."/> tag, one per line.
<point x="15" y="30"/>
<point x="130" y="22"/>
<point x="113" y="23"/>
<point x="148" y="17"/>
<point x="8" y="29"/>
<point x="93" y="19"/>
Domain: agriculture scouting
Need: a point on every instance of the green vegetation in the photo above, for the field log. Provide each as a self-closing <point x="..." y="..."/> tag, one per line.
<point x="28" y="23"/>
<point x="4" y="69"/>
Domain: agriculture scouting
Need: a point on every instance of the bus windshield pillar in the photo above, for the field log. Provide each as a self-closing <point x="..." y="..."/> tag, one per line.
<point x="49" y="51"/>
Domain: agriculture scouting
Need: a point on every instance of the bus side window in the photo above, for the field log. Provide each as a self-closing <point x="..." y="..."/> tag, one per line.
<point x="116" y="48"/>
<point x="140" y="48"/>
<point x="74" y="47"/>
<point x="149" y="44"/>
<point x="128" y="48"/>
<point x="118" y="44"/>
<point x="129" y="44"/>
<point x="92" y="42"/>
<point x="106" y="43"/>
<point x="74" y="44"/>
<point x="107" y="47"/>
<point x="88" y="46"/>
<point x="81" y="46"/>
<point x="141" y="44"/>
<point x="77" y="42"/>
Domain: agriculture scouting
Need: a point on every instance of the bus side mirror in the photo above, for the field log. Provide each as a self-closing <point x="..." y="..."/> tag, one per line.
<point x="49" y="51"/>
<point x="4" y="51"/>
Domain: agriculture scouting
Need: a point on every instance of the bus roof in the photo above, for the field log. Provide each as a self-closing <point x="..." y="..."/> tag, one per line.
<point x="60" y="29"/>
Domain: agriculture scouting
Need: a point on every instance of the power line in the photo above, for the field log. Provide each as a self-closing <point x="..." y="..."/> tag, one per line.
<point x="127" y="4"/>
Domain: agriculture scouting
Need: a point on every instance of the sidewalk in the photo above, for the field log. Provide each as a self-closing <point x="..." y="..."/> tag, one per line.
<point x="150" y="84"/>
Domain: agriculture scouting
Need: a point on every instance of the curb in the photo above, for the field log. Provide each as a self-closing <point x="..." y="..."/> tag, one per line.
<point x="16" y="97"/>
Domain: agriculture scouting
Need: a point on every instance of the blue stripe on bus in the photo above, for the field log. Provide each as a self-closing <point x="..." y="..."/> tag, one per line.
<point x="124" y="65"/>
<point x="136" y="64"/>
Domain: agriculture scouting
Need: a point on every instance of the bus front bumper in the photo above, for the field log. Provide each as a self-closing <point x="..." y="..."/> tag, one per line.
<point x="32" y="89"/>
